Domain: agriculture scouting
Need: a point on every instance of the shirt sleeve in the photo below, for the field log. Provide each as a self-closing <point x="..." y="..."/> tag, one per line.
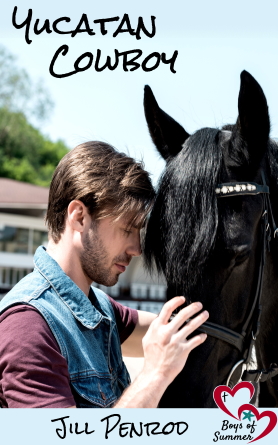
<point x="33" y="372"/>
<point x="126" y="319"/>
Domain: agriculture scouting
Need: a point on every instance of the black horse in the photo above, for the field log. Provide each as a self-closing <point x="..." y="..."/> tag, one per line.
<point x="212" y="241"/>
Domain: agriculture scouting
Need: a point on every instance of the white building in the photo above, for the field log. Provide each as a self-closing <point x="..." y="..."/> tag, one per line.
<point x="22" y="230"/>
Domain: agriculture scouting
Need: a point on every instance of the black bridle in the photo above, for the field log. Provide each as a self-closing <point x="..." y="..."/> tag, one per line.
<point x="245" y="340"/>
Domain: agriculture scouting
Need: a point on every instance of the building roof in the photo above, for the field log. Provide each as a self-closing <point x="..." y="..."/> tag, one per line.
<point x="15" y="193"/>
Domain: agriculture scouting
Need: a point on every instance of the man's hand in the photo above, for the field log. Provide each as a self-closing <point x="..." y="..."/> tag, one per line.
<point x="166" y="349"/>
<point x="165" y="344"/>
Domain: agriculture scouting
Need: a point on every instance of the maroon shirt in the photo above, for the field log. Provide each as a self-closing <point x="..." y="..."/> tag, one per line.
<point x="33" y="373"/>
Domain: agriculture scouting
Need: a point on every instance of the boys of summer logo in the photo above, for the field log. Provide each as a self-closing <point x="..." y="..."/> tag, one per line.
<point x="245" y="422"/>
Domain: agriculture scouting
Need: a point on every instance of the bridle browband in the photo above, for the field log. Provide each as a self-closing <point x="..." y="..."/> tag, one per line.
<point x="245" y="340"/>
<point x="240" y="188"/>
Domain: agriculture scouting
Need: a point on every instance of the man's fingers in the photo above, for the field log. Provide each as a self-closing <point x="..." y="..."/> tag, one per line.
<point x="192" y="325"/>
<point x="169" y="307"/>
<point x="185" y="314"/>
<point x="195" y="341"/>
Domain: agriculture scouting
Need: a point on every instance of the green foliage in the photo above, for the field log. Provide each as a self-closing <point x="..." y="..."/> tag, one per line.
<point x="25" y="154"/>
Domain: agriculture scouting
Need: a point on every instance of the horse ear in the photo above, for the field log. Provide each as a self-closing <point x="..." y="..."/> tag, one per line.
<point x="167" y="135"/>
<point x="253" y="121"/>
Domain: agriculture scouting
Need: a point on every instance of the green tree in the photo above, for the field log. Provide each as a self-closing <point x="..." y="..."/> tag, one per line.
<point x="25" y="153"/>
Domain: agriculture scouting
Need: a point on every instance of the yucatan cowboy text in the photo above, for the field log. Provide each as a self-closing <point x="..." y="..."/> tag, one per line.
<point x="130" y="60"/>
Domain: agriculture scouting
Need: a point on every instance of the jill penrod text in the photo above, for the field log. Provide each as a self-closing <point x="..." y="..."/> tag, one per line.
<point x="113" y="426"/>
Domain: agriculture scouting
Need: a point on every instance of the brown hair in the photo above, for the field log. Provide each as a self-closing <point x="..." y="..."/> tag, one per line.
<point x="109" y="183"/>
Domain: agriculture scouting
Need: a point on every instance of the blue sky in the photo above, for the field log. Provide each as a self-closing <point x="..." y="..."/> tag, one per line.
<point x="216" y="40"/>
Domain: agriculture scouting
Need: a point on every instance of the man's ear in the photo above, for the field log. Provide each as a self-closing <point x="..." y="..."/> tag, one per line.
<point x="167" y="135"/>
<point x="76" y="215"/>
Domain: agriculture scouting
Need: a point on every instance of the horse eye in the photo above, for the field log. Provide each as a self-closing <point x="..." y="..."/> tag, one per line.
<point x="237" y="254"/>
<point x="242" y="255"/>
<point x="241" y="258"/>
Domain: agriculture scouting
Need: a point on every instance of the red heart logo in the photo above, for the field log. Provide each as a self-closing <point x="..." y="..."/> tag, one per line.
<point x="270" y="414"/>
<point x="219" y="389"/>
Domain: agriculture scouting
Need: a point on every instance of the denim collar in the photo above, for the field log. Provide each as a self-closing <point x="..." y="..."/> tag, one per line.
<point x="73" y="297"/>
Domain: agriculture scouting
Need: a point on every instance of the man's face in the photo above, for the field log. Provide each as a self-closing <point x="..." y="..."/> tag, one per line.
<point x="108" y="249"/>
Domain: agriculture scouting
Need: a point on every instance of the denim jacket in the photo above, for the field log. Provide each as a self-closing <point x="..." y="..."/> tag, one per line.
<point x="86" y="334"/>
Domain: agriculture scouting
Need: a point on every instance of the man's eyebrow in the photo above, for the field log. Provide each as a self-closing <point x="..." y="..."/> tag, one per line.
<point x="140" y="225"/>
<point x="134" y="225"/>
<point x="136" y="222"/>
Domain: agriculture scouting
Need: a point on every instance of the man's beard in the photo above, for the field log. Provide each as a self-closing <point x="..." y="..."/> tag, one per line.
<point x="94" y="260"/>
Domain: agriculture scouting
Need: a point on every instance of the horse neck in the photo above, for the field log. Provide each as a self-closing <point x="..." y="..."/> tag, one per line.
<point x="266" y="344"/>
<point x="269" y="317"/>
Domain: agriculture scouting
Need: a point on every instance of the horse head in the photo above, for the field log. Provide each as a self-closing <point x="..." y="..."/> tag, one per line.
<point x="207" y="239"/>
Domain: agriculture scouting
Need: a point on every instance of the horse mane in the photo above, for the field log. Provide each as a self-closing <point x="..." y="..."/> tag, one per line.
<point x="273" y="163"/>
<point x="273" y="160"/>
<point x="186" y="210"/>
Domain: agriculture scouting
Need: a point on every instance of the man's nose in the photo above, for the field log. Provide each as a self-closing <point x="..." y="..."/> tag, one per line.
<point x="134" y="249"/>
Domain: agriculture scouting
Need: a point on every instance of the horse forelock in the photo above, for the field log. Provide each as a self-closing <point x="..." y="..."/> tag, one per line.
<point x="182" y="227"/>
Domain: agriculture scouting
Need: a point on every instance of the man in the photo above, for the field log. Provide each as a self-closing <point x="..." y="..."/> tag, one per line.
<point x="60" y="339"/>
